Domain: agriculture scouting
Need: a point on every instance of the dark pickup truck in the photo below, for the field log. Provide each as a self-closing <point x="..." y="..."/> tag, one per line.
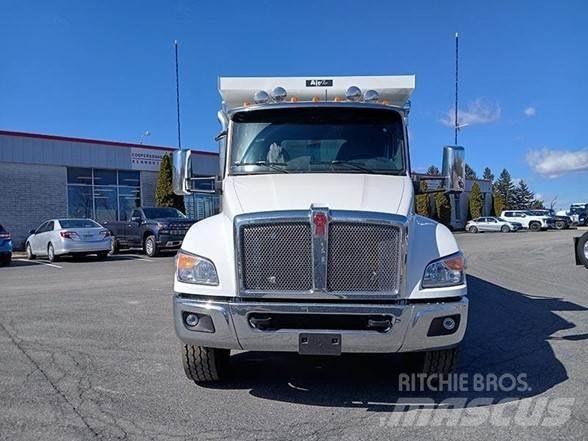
<point x="153" y="229"/>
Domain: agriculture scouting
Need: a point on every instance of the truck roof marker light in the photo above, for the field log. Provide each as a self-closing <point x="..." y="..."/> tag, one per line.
<point x="315" y="99"/>
<point x="320" y="223"/>
<point x="261" y="97"/>
<point x="371" y="96"/>
<point x="353" y="93"/>
<point x="294" y="99"/>
<point x="337" y="99"/>
<point x="279" y="94"/>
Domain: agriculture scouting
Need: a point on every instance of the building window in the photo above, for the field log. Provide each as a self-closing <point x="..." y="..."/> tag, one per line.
<point x="103" y="195"/>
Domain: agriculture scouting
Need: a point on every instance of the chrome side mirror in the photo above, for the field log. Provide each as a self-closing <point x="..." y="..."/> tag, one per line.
<point x="454" y="168"/>
<point x="181" y="166"/>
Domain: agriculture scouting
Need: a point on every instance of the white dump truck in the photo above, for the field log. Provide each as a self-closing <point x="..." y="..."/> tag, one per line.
<point x="317" y="248"/>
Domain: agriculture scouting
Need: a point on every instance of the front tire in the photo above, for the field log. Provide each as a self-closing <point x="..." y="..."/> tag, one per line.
<point x="505" y="229"/>
<point x="51" y="254"/>
<point x="535" y="226"/>
<point x="582" y="249"/>
<point x="205" y="365"/>
<point x="114" y="247"/>
<point x="5" y="261"/>
<point x="150" y="246"/>
<point x="438" y="363"/>
<point x="30" y="254"/>
<point x="473" y="229"/>
<point x="560" y="225"/>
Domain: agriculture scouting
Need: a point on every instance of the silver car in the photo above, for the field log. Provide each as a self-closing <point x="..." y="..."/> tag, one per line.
<point x="56" y="237"/>
<point x="491" y="223"/>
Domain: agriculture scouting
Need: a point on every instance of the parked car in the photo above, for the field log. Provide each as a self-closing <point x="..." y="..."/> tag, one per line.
<point x="5" y="247"/>
<point x="77" y="237"/>
<point x="560" y="222"/>
<point x="528" y="220"/>
<point x="581" y="248"/>
<point x="151" y="228"/>
<point x="491" y="223"/>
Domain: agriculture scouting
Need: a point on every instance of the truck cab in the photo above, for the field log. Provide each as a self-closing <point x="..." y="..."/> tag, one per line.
<point x="317" y="248"/>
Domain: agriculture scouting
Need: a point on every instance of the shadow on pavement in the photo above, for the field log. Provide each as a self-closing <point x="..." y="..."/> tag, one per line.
<point x="508" y="336"/>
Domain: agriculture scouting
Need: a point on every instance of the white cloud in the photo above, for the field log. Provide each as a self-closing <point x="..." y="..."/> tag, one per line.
<point x="554" y="163"/>
<point x="477" y="112"/>
<point x="530" y="111"/>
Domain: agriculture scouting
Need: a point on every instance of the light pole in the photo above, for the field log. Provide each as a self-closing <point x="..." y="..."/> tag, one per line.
<point x="145" y="133"/>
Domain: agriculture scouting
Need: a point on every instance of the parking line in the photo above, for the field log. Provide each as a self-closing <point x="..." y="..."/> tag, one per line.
<point x="40" y="263"/>
<point x="136" y="258"/>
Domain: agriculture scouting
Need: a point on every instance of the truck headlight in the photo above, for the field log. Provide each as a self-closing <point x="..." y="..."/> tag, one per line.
<point x="195" y="269"/>
<point x="447" y="271"/>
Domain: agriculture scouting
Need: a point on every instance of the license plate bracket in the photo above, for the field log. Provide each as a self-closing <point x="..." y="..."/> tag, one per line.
<point x="319" y="344"/>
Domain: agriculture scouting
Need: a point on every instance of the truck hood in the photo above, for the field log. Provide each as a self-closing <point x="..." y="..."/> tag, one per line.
<point x="337" y="191"/>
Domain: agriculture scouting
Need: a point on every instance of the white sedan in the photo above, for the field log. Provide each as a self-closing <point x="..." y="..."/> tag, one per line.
<point x="57" y="237"/>
<point x="491" y="223"/>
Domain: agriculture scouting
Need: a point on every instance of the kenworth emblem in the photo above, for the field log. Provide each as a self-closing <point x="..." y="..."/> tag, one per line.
<point x="319" y="217"/>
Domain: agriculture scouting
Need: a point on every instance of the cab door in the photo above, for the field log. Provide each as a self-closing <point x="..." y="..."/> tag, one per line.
<point x="133" y="229"/>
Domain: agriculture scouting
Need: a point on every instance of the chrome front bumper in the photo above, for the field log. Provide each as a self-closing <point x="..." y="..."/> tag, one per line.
<point x="232" y="330"/>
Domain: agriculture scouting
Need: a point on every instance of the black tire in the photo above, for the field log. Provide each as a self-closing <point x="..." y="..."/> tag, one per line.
<point x="114" y="248"/>
<point x="473" y="229"/>
<point x="582" y="249"/>
<point x="535" y="226"/>
<point x="150" y="246"/>
<point x="505" y="229"/>
<point x="205" y="365"/>
<point x="439" y="363"/>
<point x="30" y="254"/>
<point x="103" y="255"/>
<point x="560" y="225"/>
<point x="51" y="253"/>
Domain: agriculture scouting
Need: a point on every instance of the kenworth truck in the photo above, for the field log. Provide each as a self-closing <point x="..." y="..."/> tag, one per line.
<point x="317" y="248"/>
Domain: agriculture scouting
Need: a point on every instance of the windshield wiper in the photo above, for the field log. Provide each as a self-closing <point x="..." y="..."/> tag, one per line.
<point x="271" y="165"/>
<point x="354" y="165"/>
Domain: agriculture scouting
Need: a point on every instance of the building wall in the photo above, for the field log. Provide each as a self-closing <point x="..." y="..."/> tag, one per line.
<point x="30" y="194"/>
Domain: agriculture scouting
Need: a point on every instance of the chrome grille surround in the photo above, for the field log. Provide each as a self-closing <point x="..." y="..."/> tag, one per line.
<point x="388" y="233"/>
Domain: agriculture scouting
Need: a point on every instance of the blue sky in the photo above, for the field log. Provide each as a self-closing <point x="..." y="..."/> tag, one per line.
<point x="104" y="69"/>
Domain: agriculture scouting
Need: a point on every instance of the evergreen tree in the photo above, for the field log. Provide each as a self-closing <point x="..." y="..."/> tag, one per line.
<point x="523" y="196"/>
<point x="506" y="189"/>
<point x="443" y="208"/>
<point x="164" y="194"/>
<point x="497" y="204"/>
<point x="476" y="201"/>
<point x="470" y="173"/>
<point x="422" y="201"/>
<point x="433" y="171"/>
<point x="537" y="204"/>
<point x="488" y="175"/>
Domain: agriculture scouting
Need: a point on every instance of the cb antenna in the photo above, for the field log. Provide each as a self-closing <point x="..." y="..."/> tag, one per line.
<point x="456" y="84"/>
<point x="178" y="95"/>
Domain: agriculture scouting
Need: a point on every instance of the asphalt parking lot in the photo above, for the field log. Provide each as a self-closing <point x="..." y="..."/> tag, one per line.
<point x="88" y="351"/>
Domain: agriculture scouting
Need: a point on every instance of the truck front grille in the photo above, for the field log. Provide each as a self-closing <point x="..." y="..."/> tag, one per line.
<point x="363" y="257"/>
<point x="276" y="257"/>
<point x="357" y="256"/>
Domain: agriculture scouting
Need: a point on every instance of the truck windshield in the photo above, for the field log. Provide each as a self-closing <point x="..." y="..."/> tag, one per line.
<point x="318" y="140"/>
<point x="155" y="213"/>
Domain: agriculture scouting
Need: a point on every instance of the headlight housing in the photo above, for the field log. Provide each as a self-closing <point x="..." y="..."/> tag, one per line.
<point x="447" y="271"/>
<point x="191" y="268"/>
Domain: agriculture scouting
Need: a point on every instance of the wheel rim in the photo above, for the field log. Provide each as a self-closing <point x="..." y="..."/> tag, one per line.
<point x="586" y="250"/>
<point x="29" y="251"/>
<point x="51" y="252"/>
<point x="113" y="246"/>
<point x="505" y="229"/>
<point x="149" y="247"/>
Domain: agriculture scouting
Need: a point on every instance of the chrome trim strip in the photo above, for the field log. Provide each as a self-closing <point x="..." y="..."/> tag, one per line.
<point x="333" y="216"/>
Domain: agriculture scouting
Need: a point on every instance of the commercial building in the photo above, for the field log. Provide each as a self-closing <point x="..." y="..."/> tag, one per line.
<point x="460" y="201"/>
<point x="46" y="176"/>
